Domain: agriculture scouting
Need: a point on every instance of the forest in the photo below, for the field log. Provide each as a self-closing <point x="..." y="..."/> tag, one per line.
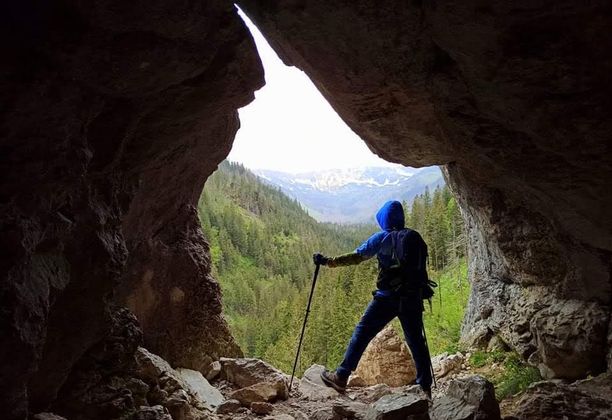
<point x="262" y="244"/>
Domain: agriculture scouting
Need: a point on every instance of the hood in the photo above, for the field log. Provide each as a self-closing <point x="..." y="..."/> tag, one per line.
<point x="391" y="216"/>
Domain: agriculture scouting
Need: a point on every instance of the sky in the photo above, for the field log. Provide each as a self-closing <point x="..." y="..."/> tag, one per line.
<point x="290" y="127"/>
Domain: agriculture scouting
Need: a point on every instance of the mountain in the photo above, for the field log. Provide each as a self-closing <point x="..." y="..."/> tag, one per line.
<point x="353" y="195"/>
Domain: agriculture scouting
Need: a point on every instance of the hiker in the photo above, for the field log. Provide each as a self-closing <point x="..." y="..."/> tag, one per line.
<point x="403" y="302"/>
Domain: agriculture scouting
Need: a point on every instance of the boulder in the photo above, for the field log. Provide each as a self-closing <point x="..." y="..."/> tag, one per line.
<point x="443" y="364"/>
<point x="261" y="391"/>
<point x="156" y="412"/>
<point x="386" y="360"/>
<point x="47" y="416"/>
<point x="259" y="407"/>
<point x="313" y="388"/>
<point x="372" y="393"/>
<point x="213" y="370"/>
<point x="207" y="393"/>
<point x="169" y="389"/>
<point x="151" y="367"/>
<point x="326" y="413"/>
<point x="399" y="407"/>
<point x="350" y="409"/>
<point x="356" y="381"/>
<point x="228" y="407"/>
<point x="245" y="372"/>
<point x="590" y="399"/>
<point x="469" y="398"/>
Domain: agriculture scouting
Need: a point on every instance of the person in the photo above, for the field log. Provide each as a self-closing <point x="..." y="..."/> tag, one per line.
<point x="385" y="305"/>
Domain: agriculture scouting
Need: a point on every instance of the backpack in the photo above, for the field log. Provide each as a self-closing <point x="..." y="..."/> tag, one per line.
<point x="408" y="274"/>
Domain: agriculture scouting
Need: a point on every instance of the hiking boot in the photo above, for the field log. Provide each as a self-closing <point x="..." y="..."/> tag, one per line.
<point x="427" y="393"/>
<point x="333" y="380"/>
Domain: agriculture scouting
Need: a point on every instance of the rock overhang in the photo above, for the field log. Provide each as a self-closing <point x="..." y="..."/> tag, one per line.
<point x="117" y="113"/>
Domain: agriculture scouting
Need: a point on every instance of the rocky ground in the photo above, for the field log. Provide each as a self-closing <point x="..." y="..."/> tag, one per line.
<point x="148" y="388"/>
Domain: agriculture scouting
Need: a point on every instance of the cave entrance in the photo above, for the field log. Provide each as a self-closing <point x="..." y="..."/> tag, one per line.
<point x="298" y="180"/>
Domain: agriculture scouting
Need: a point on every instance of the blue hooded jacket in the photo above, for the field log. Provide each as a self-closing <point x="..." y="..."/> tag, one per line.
<point x="390" y="217"/>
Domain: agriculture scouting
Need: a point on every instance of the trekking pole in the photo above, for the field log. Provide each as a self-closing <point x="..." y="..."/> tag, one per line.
<point x="297" y="355"/>
<point x="433" y="375"/>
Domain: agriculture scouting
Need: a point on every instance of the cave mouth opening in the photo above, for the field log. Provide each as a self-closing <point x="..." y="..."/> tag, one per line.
<point x="294" y="157"/>
<point x="106" y="127"/>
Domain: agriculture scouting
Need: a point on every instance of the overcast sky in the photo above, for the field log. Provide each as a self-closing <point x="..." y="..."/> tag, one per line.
<point x="290" y="126"/>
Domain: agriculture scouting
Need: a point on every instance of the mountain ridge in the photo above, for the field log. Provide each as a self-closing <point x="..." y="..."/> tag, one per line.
<point x="352" y="195"/>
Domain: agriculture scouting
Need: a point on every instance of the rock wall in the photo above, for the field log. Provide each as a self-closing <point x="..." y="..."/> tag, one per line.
<point x="515" y="101"/>
<point x="113" y="115"/>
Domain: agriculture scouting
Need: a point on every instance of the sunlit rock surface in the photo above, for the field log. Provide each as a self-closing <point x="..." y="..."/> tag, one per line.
<point x="386" y="360"/>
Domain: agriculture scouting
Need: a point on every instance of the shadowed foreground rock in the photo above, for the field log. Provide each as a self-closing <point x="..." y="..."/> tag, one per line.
<point x="397" y="407"/>
<point x="118" y="379"/>
<point x="467" y="398"/>
<point x="113" y="115"/>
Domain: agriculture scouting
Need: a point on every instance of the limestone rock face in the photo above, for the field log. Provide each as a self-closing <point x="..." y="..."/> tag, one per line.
<point x="514" y="101"/>
<point x="386" y="360"/>
<point x="113" y="115"/>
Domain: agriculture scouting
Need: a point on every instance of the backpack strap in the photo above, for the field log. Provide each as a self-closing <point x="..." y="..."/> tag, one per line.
<point x="397" y="243"/>
<point x="394" y="234"/>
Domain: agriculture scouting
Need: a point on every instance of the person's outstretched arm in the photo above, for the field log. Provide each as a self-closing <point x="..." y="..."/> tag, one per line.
<point x="351" y="258"/>
<point x="365" y="251"/>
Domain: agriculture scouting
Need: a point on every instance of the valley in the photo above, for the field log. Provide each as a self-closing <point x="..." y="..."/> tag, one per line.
<point x="353" y="195"/>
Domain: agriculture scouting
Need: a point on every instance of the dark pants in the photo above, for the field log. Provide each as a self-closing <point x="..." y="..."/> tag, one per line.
<point x="378" y="314"/>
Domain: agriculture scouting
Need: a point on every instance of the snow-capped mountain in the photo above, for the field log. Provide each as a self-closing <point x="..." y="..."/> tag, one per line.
<point x="353" y="195"/>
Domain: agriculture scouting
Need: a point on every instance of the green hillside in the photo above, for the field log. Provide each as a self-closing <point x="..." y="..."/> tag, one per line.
<point x="262" y="244"/>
